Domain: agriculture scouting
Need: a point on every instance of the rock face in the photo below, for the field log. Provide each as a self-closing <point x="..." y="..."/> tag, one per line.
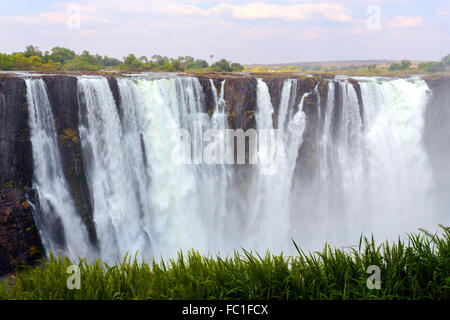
<point x="240" y="96"/>
<point x="19" y="237"/>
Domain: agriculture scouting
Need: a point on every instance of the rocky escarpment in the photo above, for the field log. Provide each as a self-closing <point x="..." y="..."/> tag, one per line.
<point x="19" y="237"/>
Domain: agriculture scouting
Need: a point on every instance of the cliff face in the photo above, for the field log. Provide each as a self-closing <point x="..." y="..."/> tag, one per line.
<point x="240" y="95"/>
<point x="19" y="238"/>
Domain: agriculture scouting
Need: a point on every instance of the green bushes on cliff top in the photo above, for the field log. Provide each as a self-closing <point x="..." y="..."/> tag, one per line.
<point x="59" y="59"/>
<point x="417" y="269"/>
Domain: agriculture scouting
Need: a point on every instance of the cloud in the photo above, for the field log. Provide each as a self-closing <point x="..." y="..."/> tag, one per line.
<point x="311" y="34"/>
<point x="239" y="30"/>
<point x="102" y="11"/>
<point x="306" y="11"/>
<point x="443" y="12"/>
<point x="259" y="10"/>
<point x="405" y="22"/>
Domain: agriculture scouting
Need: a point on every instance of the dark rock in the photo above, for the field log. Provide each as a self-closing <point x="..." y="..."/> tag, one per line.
<point x="357" y="88"/>
<point x="19" y="237"/>
<point x="208" y="91"/>
<point x="114" y="87"/>
<point x="240" y="98"/>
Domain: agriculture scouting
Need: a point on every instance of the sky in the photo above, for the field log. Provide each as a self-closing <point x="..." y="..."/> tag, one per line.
<point x="252" y="31"/>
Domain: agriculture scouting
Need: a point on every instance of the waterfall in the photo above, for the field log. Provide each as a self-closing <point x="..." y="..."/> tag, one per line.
<point x="371" y="172"/>
<point x="396" y="157"/>
<point x="167" y="206"/>
<point x="118" y="201"/>
<point x="61" y="229"/>
<point x="374" y="178"/>
<point x="273" y="192"/>
<point x="220" y="174"/>
<point x="168" y="105"/>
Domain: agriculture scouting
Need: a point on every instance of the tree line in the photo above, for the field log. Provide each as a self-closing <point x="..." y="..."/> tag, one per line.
<point x="63" y="59"/>
<point x="431" y="66"/>
<point x="404" y="66"/>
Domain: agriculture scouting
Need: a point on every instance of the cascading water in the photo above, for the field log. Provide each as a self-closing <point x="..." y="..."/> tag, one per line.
<point x="175" y="220"/>
<point x="374" y="176"/>
<point x="221" y="173"/>
<point x="372" y="173"/>
<point x="119" y="204"/>
<point x="273" y="191"/>
<point x="396" y="157"/>
<point x="60" y="226"/>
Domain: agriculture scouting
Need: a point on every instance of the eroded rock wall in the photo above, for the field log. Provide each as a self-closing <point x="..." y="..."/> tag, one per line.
<point x="19" y="237"/>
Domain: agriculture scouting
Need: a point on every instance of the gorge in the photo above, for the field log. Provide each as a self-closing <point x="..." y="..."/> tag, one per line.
<point x="86" y="163"/>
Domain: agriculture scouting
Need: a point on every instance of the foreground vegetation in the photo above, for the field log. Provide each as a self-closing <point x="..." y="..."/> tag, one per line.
<point x="416" y="269"/>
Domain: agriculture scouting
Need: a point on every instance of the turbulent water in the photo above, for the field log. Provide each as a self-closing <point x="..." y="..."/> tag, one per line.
<point x="371" y="173"/>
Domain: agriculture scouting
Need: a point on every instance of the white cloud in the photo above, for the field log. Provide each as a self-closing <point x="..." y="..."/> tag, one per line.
<point x="304" y="11"/>
<point x="259" y="10"/>
<point x="405" y="22"/>
<point x="102" y="11"/>
<point x="444" y="12"/>
<point x="240" y="30"/>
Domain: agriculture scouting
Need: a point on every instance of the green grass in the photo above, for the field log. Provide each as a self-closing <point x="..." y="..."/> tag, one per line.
<point x="418" y="268"/>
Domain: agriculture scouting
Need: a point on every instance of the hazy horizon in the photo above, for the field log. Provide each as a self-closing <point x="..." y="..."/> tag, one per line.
<point x="249" y="32"/>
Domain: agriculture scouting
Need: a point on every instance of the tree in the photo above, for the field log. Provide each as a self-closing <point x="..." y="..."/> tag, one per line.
<point x="197" y="64"/>
<point x="32" y="51"/>
<point x="35" y="62"/>
<point x="176" y="65"/>
<point x="20" y="61"/>
<point x="80" y="63"/>
<point x="160" y="59"/>
<point x="222" y="66"/>
<point x="395" y="67"/>
<point x="90" y="58"/>
<point x="143" y="59"/>
<point x="62" y="55"/>
<point x="236" y="67"/>
<point x="405" y="64"/>
<point x="6" y="63"/>
<point x="168" y="67"/>
<point x="110" y="62"/>
<point x="130" y="62"/>
<point x="431" y="66"/>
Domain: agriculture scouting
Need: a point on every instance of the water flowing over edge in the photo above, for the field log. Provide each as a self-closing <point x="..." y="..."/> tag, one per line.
<point x="144" y="202"/>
